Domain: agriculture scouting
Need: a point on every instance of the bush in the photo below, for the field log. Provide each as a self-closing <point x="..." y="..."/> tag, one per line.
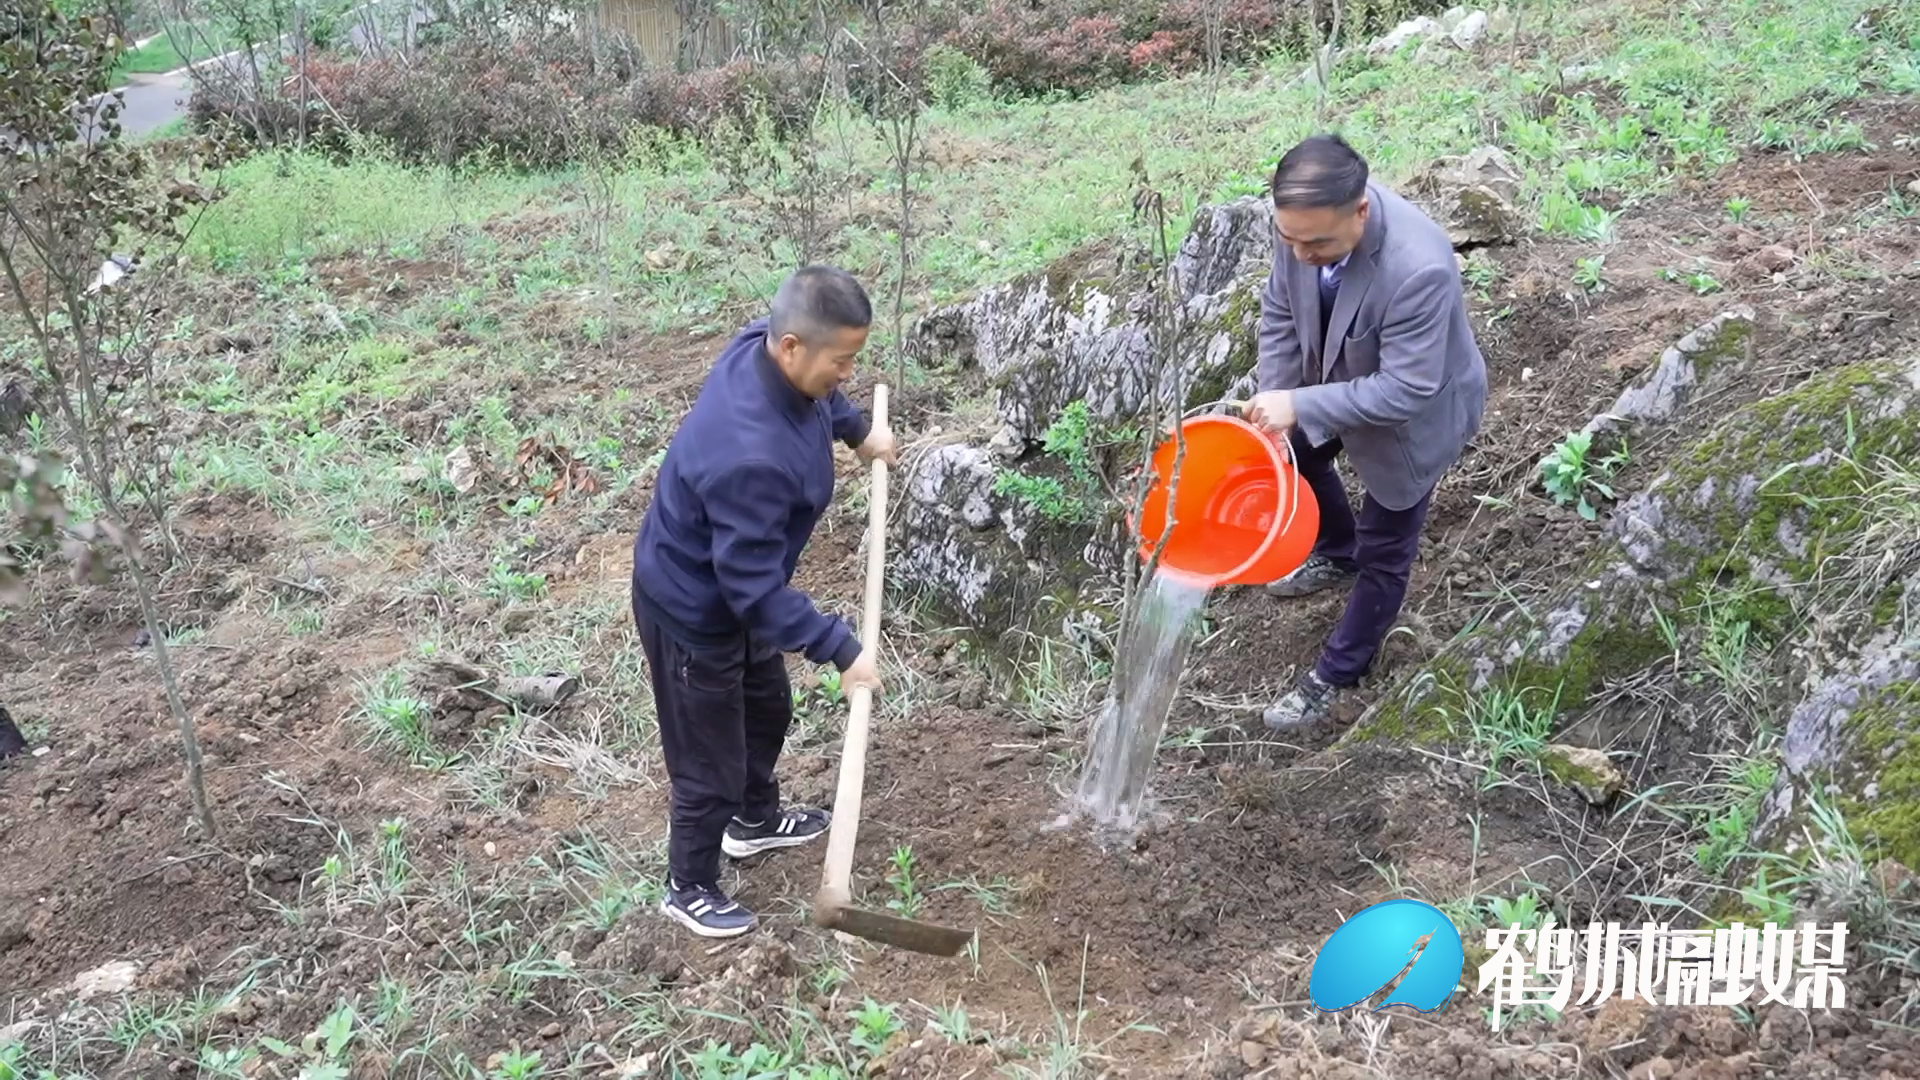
<point x="538" y="101"/>
<point x="954" y="79"/>
<point x="1038" y="50"/>
<point x="1077" y="46"/>
<point x="535" y="103"/>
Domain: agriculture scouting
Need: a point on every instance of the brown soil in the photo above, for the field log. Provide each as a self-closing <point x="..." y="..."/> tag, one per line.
<point x="1260" y="850"/>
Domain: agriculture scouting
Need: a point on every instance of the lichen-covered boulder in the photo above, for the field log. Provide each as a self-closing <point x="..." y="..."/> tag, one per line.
<point x="1086" y="331"/>
<point x="1855" y="742"/>
<point x="1472" y="196"/>
<point x="1795" y="518"/>
<point x="994" y="555"/>
<point x="1000" y="534"/>
<point x="1093" y="338"/>
<point x="1682" y="367"/>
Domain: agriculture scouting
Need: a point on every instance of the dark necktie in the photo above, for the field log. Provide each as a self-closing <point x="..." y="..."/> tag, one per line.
<point x="1329" y="292"/>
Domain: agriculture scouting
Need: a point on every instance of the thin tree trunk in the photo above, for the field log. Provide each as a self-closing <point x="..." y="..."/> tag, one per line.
<point x="904" y="132"/>
<point x="189" y="736"/>
<point x="99" y="476"/>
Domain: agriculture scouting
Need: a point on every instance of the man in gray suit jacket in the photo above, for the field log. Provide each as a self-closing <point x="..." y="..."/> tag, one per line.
<point x="1365" y="347"/>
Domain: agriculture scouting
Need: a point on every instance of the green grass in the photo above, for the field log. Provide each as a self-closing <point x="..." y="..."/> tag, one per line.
<point x="170" y="49"/>
<point x="156" y="57"/>
<point x="1011" y="187"/>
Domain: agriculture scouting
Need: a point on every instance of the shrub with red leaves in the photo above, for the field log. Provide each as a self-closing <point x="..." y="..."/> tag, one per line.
<point x="1076" y="46"/>
<point x="533" y="104"/>
<point x="1037" y="50"/>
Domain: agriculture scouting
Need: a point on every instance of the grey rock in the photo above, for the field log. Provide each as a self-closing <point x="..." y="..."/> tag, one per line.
<point x="1472" y="196"/>
<point x="1471" y="29"/>
<point x="1563" y="625"/>
<point x="961" y="545"/>
<point x="1043" y="342"/>
<point x="1672" y="383"/>
<point x="1698" y="519"/>
<point x="1090" y="329"/>
<point x="1413" y="29"/>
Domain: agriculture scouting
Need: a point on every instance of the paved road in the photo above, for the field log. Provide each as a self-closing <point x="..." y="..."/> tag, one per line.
<point x="151" y="102"/>
<point x="154" y="101"/>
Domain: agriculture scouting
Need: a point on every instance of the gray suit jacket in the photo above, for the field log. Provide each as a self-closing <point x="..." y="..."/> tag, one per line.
<point x="1399" y="379"/>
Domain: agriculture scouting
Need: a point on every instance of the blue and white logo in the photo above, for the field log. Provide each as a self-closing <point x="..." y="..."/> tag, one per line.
<point x="1399" y="939"/>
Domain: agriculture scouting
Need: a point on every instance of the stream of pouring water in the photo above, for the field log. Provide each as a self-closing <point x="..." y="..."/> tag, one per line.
<point x="1146" y="674"/>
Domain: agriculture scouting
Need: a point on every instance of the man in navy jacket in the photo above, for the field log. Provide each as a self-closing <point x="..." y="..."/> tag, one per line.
<point x="744" y="482"/>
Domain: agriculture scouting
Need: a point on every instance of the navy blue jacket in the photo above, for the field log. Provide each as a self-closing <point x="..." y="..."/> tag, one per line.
<point x="743" y="484"/>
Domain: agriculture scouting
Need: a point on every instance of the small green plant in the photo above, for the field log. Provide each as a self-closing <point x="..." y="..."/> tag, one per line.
<point x="1567" y="474"/>
<point x="323" y="1053"/>
<point x="14" y="1064"/>
<point x="231" y="1062"/>
<point x="1773" y="900"/>
<point x="1561" y="211"/>
<point x="515" y="1065"/>
<point x="506" y="583"/>
<point x="1699" y="281"/>
<point x="402" y="721"/>
<point x="396" y="869"/>
<point x="1737" y="208"/>
<point x="1587" y="273"/>
<point x="1521" y="911"/>
<point x="907" y="897"/>
<point x="825" y="695"/>
<point x="1483" y="273"/>
<point x="874" y="1024"/>
<point x="1727" y="827"/>
<point x="828" y="979"/>
<point x="1508" y="727"/>
<point x="1069" y="439"/>
<point x="717" y="1061"/>
<point x="336" y="875"/>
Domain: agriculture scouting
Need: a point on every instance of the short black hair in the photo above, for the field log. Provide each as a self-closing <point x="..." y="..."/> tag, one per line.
<point x="1321" y="171"/>
<point x="817" y="300"/>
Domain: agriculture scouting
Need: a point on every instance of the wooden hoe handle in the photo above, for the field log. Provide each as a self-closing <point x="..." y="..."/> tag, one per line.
<point x="835" y="887"/>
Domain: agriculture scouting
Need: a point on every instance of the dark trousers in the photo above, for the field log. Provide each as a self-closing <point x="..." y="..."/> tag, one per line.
<point x="723" y="716"/>
<point x="1381" y="546"/>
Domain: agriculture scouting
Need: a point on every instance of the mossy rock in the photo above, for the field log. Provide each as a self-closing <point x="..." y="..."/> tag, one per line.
<point x="1091" y="329"/>
<point x="972" y="551"/>
<point x="1854" y="744"/>
<point x="1585" y="770"/>
<point x="1885" y="813"/>
<point x="1751" y="517"/>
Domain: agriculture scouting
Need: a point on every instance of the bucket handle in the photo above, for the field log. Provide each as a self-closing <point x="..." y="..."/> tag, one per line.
<point x="1234" y="403"/>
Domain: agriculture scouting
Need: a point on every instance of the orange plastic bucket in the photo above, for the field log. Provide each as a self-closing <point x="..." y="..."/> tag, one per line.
<point x="1242" y="515"/>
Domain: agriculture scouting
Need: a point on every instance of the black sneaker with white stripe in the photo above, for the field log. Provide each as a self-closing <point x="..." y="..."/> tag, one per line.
<point x="707" y="911"/>
<point x="791" y="829"/>
<point x="1317" y="573"/>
